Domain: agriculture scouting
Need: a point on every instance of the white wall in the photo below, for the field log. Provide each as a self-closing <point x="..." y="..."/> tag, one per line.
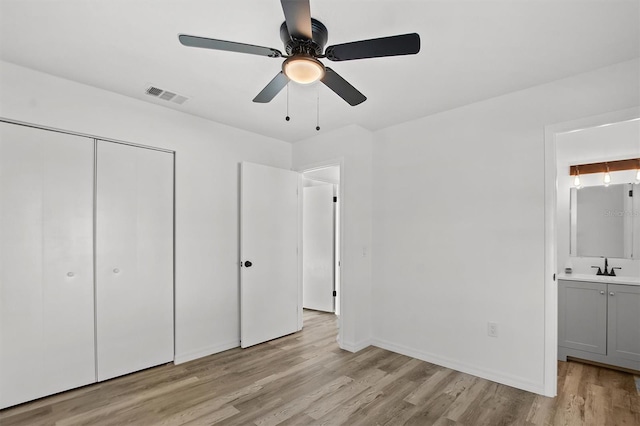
<point x="593" y="145"/>
<point x="207" y="157"/>
<point x="353" y="145"/>
<point x="458" y="226"/>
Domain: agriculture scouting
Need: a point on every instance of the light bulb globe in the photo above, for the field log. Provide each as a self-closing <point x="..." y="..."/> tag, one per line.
<point x="303" y="69"/>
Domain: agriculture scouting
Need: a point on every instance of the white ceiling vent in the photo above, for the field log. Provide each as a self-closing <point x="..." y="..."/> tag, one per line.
<point x="165" y="95"/>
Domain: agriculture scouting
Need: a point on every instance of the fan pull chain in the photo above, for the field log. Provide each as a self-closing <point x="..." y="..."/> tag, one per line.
<point x="318" y="111"/>
<point x="287" y="117"/>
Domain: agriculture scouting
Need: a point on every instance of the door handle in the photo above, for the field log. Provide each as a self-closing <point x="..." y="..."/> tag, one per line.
<point x="248" y="264"/>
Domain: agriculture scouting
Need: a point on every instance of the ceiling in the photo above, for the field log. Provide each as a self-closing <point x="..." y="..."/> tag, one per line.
<point x="471" y="50"/>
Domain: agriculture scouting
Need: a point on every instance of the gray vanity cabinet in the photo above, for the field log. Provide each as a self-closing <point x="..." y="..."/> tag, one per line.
<point x="582" y="316"/>
<point x="624" y="322"/>
<point x="599" y="322"/>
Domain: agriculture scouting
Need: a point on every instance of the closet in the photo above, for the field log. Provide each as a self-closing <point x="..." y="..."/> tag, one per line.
<point x="86" y="261"/>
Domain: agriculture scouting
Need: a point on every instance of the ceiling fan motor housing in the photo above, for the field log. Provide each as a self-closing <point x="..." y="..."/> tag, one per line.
<point x="313" y="47"/>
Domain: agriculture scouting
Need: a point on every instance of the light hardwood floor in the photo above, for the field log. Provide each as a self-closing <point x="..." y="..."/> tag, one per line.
<point x="305" y="379"/>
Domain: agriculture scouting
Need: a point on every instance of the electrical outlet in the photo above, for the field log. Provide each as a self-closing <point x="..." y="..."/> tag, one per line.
<point x="492" y="329"/>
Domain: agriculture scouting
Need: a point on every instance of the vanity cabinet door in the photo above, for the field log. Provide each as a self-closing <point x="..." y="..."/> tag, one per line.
<point x="582" y="316"/>
<point x="624" y="322"/>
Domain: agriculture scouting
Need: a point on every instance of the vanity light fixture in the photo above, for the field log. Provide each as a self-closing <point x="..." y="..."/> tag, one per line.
<point x="607" y="177"/>
<point x="577" y="171"/>
<point x="576" y="180"/>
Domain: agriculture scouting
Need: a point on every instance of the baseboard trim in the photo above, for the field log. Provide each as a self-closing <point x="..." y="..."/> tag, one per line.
<point x="491" y="375"/>
<point x="209" y="350"/>
<point x="355" y="347"/>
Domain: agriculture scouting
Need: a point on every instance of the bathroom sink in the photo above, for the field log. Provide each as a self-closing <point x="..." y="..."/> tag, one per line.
<point x="601" y="278"/>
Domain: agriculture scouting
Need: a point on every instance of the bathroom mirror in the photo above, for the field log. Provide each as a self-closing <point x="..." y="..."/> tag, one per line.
<point x="604" y="221"/>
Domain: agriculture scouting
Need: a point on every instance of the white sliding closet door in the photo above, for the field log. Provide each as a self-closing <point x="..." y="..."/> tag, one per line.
<point x="46" y="263"/>
<point x="134" y="259"/>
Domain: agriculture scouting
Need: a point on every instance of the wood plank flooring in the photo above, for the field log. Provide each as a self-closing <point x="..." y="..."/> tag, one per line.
<point x="305" y="379"/>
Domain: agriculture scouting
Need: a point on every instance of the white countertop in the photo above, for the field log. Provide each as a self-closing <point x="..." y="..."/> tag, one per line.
<point x="600" y="278"/>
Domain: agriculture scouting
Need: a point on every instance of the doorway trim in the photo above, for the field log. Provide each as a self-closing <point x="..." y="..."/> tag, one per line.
<point x="339" y="162"/>
<point x="550" y="379"/>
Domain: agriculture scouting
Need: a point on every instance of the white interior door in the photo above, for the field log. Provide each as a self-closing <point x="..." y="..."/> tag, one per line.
<point x="46" y="263"/>
<point x="317" y="248"/>
<point x="134" y="259"/>
<point x="269" y="289"/>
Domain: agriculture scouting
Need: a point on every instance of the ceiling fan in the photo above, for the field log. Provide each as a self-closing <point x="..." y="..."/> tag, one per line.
<point x="304" y="38"/>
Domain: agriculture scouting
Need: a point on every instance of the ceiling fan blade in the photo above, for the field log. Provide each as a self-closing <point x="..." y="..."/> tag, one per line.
<point x="342" y="88"/>
<point x="406" y="44"/>
<point x="230" y="46"/>
<point x="272" y="89"/>
<point x="297" y="14"/>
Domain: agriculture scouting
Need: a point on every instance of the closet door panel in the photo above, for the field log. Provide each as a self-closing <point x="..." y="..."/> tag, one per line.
<point x="155" y="248"/>
<point x="46" y="320"/>
<point x="21" y="317"/>
<point x="134" y="255"/>
<point x="67" y="228"/>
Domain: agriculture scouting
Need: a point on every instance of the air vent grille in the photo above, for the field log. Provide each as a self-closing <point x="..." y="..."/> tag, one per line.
<point x="154" y="91"/>
<point x="180" y="99"/>
<point x="165" y="95"/>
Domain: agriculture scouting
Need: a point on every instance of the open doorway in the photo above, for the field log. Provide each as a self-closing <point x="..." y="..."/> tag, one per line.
<point x="566" y="144"/>
<point x="321" y="239"/>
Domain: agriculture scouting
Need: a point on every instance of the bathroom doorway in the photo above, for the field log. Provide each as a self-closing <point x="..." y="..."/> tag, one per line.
<point x="557" y="213"/>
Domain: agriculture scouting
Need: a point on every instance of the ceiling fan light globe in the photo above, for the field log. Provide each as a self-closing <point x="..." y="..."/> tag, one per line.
<point x="303" y="69"/>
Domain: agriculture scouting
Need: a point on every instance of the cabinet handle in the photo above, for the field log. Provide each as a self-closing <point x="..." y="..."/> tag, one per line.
<point x="612" y="294"/>
<point x="70" y="274"/>
<point x="116" y="271"/>
<point x="601" y="291"/>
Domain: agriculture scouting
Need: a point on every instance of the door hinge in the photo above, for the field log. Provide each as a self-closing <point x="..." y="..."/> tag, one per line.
<point x="335" y="293"/>
<point x="335" y="199"/>
<point x="631" y="193"/>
